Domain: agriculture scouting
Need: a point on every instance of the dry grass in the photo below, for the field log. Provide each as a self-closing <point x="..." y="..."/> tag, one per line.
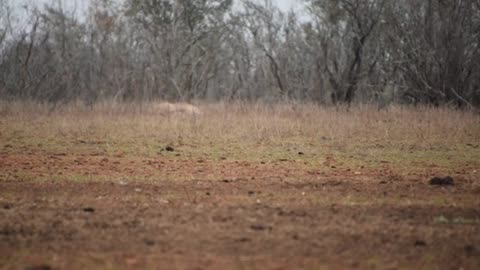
<point x="244" y="131"/>
<point x="252" y="123"/>
<point x="359" y="186"/>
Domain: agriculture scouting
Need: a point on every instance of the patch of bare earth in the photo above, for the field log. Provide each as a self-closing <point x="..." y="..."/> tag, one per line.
<point x="253" y="217"/>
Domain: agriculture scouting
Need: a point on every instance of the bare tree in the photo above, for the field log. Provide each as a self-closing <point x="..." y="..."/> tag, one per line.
<point x="436" y="46"/>
<point x="346" y="51"/>
<point x="344" y="28"/>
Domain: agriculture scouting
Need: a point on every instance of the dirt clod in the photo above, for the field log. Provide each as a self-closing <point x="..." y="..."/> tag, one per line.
<point x="39" y="267"/>
<point x="442" y="181"/>
<point x="243" y="239"/>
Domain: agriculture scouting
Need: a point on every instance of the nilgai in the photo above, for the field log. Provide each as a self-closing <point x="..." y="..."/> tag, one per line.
<point x="177" y="108"/>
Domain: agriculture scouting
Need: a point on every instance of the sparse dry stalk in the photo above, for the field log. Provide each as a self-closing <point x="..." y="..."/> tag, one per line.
<point x="245" y="122"/>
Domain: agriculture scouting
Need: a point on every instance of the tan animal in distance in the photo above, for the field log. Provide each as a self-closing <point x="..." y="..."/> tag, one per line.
<point x="177" y="109"/>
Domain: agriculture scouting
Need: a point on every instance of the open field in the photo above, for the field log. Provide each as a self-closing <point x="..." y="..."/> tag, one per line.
<point x="239" y="186"/>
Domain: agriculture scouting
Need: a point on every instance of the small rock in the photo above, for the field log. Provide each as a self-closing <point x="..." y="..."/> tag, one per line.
<point x="149" y="242"/>
<point x="420" y="243"/>
<point x="259" y="227"/>
<point x="301" y="153"/>
<point x="441" y="219"/>
<point x="169" y="149"/>
<point x="89" y="209"/>
<point x="439" y="181"/>
<point x="251" y="193"/>
<point x="7" y="206"/>
<point x="470" y="250"/>
<point x="208" y="194"/>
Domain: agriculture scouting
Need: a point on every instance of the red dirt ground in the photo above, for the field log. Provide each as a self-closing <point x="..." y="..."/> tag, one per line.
<point x="254" y="216"/>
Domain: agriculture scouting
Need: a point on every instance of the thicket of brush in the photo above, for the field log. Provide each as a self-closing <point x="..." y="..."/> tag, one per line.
<point x="382" y="51"/>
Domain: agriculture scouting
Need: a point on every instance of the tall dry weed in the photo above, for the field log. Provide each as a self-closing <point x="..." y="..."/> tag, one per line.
<point x="248" y="122"/>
